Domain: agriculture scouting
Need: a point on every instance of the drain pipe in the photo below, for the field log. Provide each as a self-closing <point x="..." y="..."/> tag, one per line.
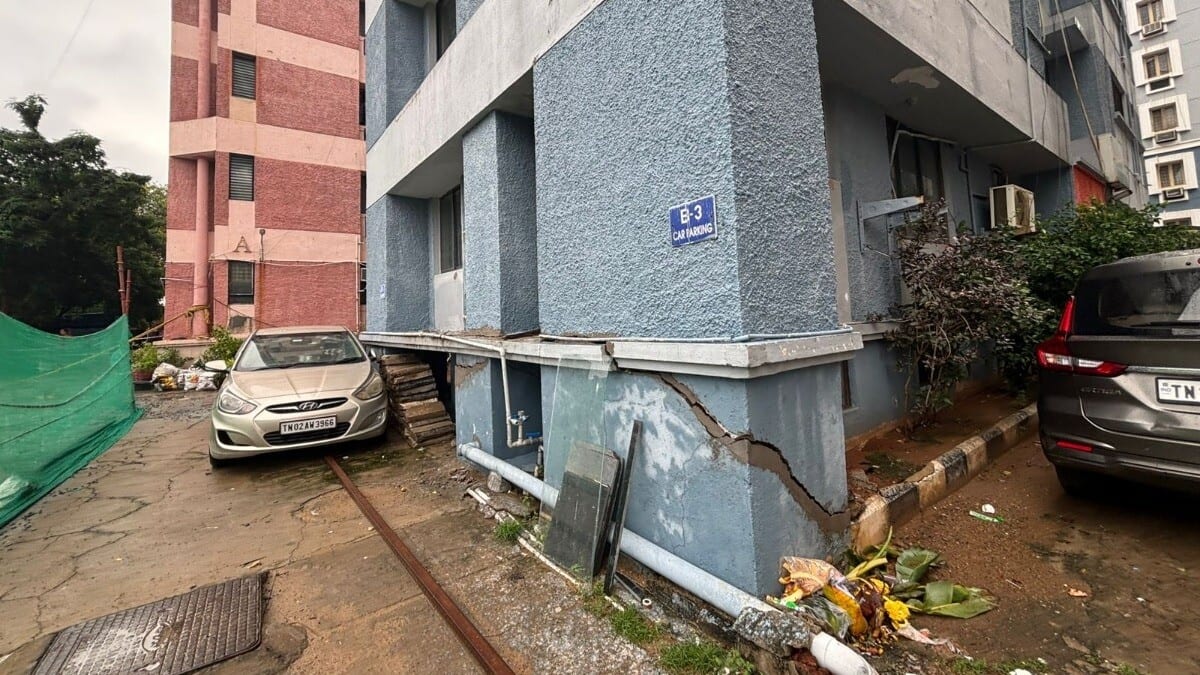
<point x="517" y="422"/>
<point x="829" y="652"/>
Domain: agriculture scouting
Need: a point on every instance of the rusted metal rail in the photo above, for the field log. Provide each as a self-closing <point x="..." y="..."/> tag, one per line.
<point x="468" y="634"/>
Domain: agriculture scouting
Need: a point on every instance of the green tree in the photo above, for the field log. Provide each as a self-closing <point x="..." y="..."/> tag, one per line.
<point x="63" y="212"/>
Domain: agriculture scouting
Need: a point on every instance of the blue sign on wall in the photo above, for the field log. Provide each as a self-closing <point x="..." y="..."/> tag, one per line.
<point x="694" y="221"/>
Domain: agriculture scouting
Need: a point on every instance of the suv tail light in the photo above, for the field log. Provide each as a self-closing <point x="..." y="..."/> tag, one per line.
<point x="1054" y="354"/>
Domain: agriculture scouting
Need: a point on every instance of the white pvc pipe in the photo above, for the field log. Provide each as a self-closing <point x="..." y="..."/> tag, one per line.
<point x="834" y="656"/>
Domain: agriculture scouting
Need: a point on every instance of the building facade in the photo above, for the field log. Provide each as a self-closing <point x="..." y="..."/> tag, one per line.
<point x="1166" y="39"/>
<point x="683" y="213"/>
<point x="265" y="186"/>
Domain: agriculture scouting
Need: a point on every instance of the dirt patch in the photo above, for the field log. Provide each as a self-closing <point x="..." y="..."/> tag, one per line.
<point x="889" y="457"/>
<point x="1088" y="586"/>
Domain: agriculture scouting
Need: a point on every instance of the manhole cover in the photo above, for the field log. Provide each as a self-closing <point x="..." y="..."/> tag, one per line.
<point x="167" y="637"/>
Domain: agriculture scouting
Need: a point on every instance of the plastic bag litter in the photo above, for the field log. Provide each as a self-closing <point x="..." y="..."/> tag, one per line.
<point x="163" y="370"/>
<point x="196" y="379"/>
<point x="804" y="576"/>
<point x="833" y="618"/>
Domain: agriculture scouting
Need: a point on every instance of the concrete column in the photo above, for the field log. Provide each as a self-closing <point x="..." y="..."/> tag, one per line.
<point x="398" y="276"/>
<point x="642" y="108"/>
<point x="500" y="225"/>
<point x="395" y="62"/>
<point x="201" y="293"/>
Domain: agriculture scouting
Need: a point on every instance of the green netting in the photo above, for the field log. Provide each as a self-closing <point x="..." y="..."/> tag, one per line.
<point x="63" y="401"/>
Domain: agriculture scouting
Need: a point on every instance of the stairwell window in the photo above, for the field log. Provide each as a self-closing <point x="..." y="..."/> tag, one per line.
<point x="245" y="75"/>
<point x="450" y="230"/>
<point x="1158" y="65"/>
<point x="1170" y="175"/>
<point x="241" y="178"/>
<point x="1164" y="118"/>
<point x="447" y="25"/>
<point x="241" y="282"/>
<point x="1150" y="12"/>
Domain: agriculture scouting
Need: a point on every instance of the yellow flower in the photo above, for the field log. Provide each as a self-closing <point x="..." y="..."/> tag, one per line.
<point x="897" y="611"/>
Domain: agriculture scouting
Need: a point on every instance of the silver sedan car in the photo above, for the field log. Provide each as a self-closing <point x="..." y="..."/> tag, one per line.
<point x="294" y="388"/>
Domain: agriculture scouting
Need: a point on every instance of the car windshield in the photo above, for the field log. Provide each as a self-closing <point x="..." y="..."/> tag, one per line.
<point x="1162" y="303"/>
<point x="299" y="350"/>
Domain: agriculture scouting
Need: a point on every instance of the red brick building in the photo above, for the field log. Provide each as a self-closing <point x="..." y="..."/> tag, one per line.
<point x="265" y="183"/>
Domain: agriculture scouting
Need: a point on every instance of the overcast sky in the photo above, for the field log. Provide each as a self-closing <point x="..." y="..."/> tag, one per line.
<point x="111" y="81"/>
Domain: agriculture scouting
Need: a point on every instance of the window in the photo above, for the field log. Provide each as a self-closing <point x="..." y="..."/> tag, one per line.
<point x="362" y="192"/>
<point x="362" y="18"/>
<point x="1121" y="103"/>
<point x="362" y="283"/>
<point x="446" y="27"/>
<point x="241" y="282"/>
<point x="450" y="231"/>
<point x="245" y="75"/>
<point x="916" y="165"/>
<point x="1158" y="65"/>
<point x="1177" y="222"/>
<point x="847" y="393"/>
<point x="241" y="178"/>
<point x="1150" y="12"/>
<point x="1170" y="174"/>
<point x="362" y="105"/>
<point x="1164" y="118"/>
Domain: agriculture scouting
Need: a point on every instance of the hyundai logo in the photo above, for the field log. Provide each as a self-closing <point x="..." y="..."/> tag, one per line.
<point x="308" y="405"/>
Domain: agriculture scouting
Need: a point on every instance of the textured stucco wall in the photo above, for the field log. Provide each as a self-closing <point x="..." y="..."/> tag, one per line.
<point x="463" y="10"/>
<point x="395" y="62"/>
<point x="1052" y="190"/>
<point x="667" y="125"/>
<point x="629" y="125"/>
<point x="785" y="239"/>
<point x="479" y="403"/>
<point x="730" y="510"/>
<point x="876" y="388"/>
<point x="500" y="225"/>
<point x="398" y="274"/>
<point x="859" y="160"/>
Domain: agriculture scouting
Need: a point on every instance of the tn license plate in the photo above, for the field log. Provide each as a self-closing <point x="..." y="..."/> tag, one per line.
<point x="1179" y="391"/>
<point x="301" y="426"/>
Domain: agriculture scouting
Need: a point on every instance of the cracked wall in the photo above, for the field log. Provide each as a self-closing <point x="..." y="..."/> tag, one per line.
<point x="731" y="474"/>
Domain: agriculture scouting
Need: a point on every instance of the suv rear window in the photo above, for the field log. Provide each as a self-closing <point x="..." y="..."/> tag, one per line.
<point x="1159" y="303"/>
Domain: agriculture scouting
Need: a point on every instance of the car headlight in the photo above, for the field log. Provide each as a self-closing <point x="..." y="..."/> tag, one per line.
<point x="234" y="405"/>
<point x="370" y="389"/>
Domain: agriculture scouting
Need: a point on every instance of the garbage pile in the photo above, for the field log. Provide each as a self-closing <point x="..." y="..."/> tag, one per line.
<point x="167" y="377"/>
<point x="872" y="603"/>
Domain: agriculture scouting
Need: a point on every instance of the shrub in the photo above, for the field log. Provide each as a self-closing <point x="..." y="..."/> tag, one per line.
<point x="145" y="358"/>
<point x="224" y="347"/>
<point x="964" y="291"/>
<point x="703" y="658"/>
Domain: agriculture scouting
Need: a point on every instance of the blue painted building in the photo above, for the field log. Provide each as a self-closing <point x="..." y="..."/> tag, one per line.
<point x="682" y="212"/>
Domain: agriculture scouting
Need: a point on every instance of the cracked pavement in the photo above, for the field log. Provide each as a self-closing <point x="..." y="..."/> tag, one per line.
<point x="150" y="519"/>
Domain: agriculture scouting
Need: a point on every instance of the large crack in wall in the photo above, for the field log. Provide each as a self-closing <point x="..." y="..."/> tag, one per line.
<point x="762" y="455"/>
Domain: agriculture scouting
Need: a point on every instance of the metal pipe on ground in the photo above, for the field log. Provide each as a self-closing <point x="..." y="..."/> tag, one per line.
<point x="829" y="652"/>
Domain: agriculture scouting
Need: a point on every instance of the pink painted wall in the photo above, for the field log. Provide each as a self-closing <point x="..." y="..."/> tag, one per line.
<point x="181" y="194"/>
<point x="307" y="197"/>
<point x="309" y="100"/>
<point x="329" y="297"/>
<point x="179" y="298"/>
<point x="183" y="89"/>
<point x="333" y="21"/>
<point x="186" y="11"/>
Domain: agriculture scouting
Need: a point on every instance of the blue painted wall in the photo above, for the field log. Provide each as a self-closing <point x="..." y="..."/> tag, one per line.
<point x="668" y="122"/>
<point x="500" y="225"/>
<point x="395" y="62"/>
<point x="398" y="272"/>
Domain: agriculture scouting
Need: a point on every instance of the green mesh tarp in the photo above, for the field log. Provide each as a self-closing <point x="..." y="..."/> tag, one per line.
<point x="63" y="401"/>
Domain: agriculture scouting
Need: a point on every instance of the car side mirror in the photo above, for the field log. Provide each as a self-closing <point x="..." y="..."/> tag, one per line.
<point x="218" y="366"/>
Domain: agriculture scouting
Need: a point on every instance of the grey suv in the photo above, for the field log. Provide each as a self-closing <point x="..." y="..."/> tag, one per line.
<point x="1120" y="378"/>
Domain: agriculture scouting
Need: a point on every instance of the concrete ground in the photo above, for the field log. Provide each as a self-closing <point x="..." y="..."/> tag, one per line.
<point x="1131" y="556"/>
<point x="150" y="519"/>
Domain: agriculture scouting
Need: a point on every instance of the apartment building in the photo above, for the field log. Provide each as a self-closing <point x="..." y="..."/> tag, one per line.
<point x="265" y="186"/>
<point x="684" y="213"/>
<point x="1166" y="46"/>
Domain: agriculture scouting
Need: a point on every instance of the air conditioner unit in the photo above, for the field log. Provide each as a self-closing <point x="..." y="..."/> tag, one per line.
<point x="1152" y="28"/>
<point x="1012" y="206"/>
<point x="1166" y="137"/>
<point x="1174" y="194"/>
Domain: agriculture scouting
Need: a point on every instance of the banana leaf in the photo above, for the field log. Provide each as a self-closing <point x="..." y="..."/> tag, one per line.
<point x="946" y="598"/>
<point x="913" y="564"/>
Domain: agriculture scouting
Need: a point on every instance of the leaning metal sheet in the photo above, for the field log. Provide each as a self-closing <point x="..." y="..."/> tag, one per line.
<point x="167" y="637"/>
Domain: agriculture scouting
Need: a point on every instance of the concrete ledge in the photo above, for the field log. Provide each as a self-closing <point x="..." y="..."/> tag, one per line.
<point x="899" y="503"/>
